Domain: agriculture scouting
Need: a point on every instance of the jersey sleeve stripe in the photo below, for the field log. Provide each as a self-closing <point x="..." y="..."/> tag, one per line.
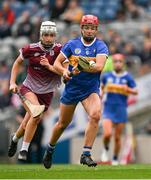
<point x="21" y="54"/>
<point x="63" y="54"/>
<point x="102" y="54"/>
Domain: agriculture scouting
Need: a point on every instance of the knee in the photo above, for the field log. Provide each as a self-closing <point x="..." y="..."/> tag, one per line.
<point x="107" y="135"/>
<point x="95" y="117"/>
<point x="117" y="139"/>
<point x="61" y="126"/>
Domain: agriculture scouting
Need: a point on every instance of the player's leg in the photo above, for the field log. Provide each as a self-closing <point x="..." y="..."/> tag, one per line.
<point x="92" y="106"/>
<point x="65" y="117"/>
<point x="118" y="128"/>
<point x="17" y="135"/>
<point x="107" y="133"/>
<point x="30" y="129"/>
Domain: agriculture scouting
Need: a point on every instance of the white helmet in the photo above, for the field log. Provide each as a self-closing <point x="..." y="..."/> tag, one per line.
<point x="48" y="27"/>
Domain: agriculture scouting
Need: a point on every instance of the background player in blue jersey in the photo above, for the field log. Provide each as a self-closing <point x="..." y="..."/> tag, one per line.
<point x="82" y="87"/>
<point x="116" y="86"/>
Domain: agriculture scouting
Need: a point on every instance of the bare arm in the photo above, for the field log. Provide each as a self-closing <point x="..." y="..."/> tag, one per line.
<point x="101" y="91"/>
<point x="14" y="73"/>
<point x="60" y="67"/>
<point x="133" y="91"/>
<point x="129" y="90"/>
<point x="44" y="62"/>
<point x="58" y="64"/>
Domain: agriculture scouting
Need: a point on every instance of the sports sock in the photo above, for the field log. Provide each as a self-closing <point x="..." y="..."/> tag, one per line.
<point x="87" y="150"/>
<point x="50" y="148"/>
<point x="106" y="147"/>
<point x="25" y="146"/>
<point x="115" y="157"/>
<point x="15" y="138"/>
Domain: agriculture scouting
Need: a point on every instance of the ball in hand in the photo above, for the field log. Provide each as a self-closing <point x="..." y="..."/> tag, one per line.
<point x="92" y="63"/>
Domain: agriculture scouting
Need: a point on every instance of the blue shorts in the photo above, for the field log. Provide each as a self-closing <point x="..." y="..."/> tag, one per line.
<point x="116" y="112"/>
<point x="73" y="97"/>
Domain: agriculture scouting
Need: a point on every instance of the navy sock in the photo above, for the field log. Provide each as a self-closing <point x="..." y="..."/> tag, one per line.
<point x="50" y="148"/>
<point x="106" y="147"/>
<point x="115" y="157"/>
<point x="87" y="150"/>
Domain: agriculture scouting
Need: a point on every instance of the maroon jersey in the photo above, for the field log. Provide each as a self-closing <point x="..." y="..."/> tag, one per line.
<point x="39" y="79"/>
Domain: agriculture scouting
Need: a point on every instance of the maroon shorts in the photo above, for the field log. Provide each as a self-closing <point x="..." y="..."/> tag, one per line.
<point x="44" y="99"/>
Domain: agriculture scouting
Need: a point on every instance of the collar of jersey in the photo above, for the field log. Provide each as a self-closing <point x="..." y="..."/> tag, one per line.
<point x="119" y="75"/>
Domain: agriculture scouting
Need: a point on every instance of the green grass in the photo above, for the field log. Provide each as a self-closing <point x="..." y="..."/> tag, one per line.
<point x="75" y="172"/>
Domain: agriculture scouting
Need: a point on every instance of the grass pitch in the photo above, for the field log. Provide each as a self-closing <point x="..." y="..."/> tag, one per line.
<point x="75" y="172"/>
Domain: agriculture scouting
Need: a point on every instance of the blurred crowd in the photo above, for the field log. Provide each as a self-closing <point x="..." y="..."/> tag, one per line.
<point x="124" y="25"/>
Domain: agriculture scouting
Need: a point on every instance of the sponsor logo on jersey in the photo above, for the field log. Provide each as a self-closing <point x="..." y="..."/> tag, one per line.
<point x="87" y="51"/>
<point x="37" y="68"/>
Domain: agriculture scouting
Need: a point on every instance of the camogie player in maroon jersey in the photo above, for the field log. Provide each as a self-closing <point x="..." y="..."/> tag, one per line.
<point x="39" y="85"/>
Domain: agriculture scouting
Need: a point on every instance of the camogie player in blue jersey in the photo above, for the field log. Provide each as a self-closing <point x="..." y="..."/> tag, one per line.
<point x="82" y="87"/>
<point x="116" y="86"/>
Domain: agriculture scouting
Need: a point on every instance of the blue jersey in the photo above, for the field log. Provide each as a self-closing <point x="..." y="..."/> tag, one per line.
<point x="114" y="92"/>
<point x="85" y="82"/>
<point x="115" y="97"/>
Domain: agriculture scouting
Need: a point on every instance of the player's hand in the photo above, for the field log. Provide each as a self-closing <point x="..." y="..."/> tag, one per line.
<point x="126" y="89"/>
<point x="13" y="88"/>
<point x="44" y="62"/>
<point x="75" y="71"/>
<point x="92" y="64"/>
<point x="66" y="75"/>
<point x="84" y="64"/>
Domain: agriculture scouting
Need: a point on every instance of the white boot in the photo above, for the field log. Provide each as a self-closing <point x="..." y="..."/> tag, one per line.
<point x="105" y="156"/>
<point x="115" y="162"/>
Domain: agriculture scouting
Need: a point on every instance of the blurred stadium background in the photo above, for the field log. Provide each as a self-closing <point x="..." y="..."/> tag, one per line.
<point x="125" y="25"/>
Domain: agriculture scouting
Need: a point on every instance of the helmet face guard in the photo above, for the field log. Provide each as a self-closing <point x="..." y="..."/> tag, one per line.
<point x="47" y="27"/>
<point x="89" y="20"/>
